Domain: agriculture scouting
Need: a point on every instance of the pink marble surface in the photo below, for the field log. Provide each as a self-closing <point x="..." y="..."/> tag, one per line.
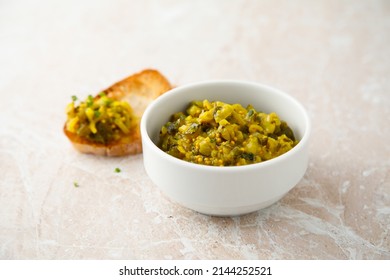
<point x="333" y="56"/>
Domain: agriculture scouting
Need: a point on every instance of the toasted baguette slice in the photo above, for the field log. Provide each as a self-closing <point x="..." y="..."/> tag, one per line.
<point x="139" y="90"/>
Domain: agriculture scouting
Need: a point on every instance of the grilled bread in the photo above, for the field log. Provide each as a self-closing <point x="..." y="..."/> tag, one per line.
<point x="138" y="91"/>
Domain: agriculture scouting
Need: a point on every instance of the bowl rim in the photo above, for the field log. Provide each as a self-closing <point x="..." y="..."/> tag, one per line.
<point x="208" y="168"/>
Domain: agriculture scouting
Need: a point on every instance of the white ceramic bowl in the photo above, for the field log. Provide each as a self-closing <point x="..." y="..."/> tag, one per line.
<point x="225" y="191"/>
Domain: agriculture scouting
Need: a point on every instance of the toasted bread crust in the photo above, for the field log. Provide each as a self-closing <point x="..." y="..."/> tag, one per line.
<point x="149" y="83"/>
<point x="138" y="90"/>
<point x="129" y="145"/>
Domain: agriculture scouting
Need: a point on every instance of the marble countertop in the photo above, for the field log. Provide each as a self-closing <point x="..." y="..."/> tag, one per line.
<point x="333" y="56"/>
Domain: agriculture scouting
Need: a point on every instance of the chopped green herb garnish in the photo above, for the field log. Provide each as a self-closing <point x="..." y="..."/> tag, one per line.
<point x="102" y="94"/>
<point x="75" y="184"/>
<point x="74" y="98"/>
<point x="89" y="100"/>
<point x="97" y="114"/>
<point x="117" y="170"/>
